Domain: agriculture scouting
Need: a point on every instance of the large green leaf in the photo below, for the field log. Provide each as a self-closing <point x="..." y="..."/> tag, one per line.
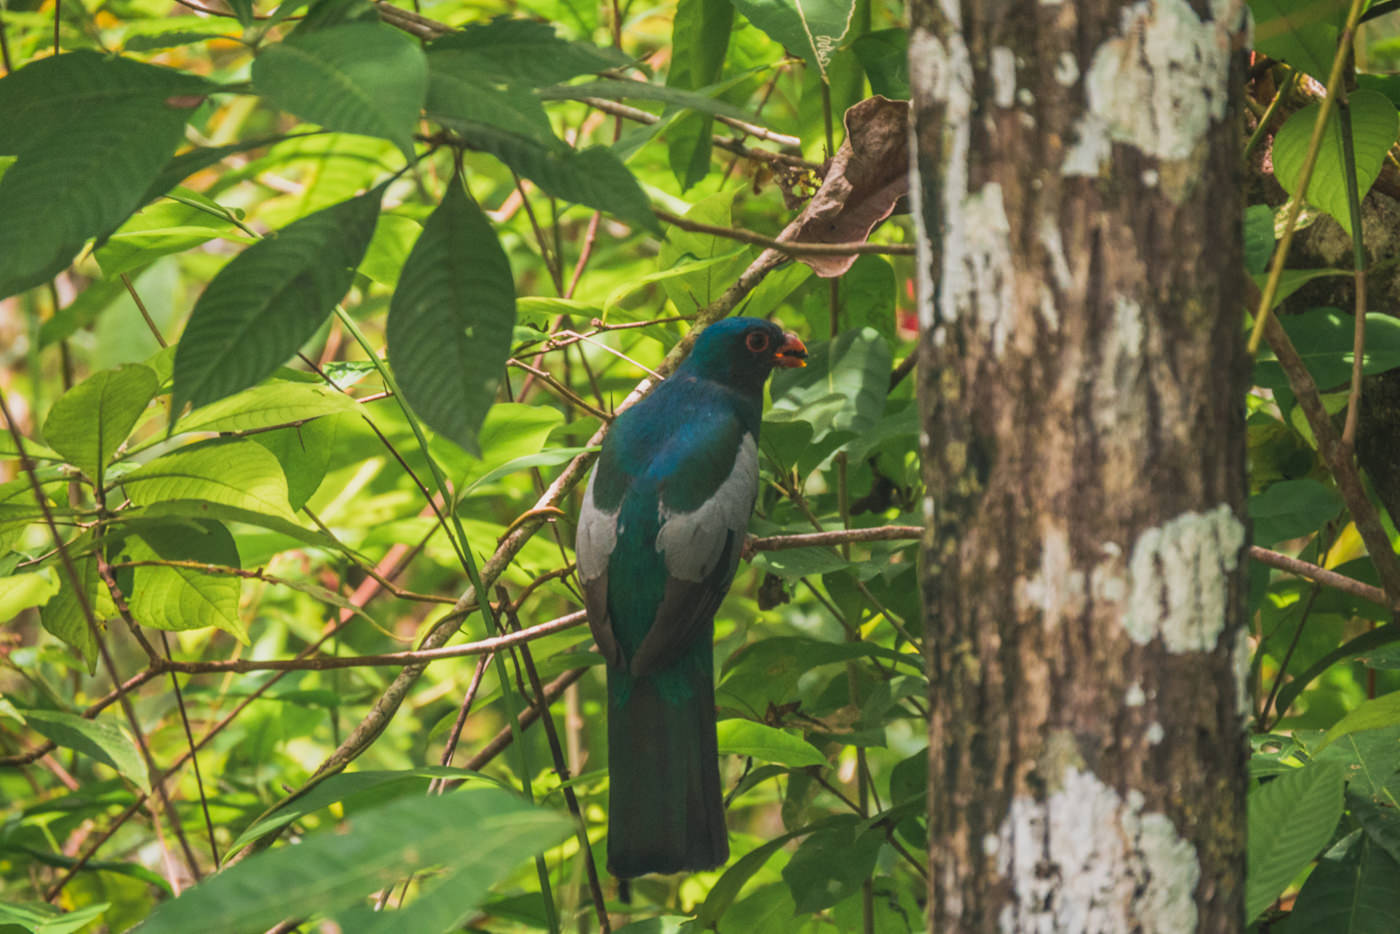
<point x="1302" y="33"/>
<point x="682" y="265"/>
<point x="458" y="90"/>
<point x="179" y="598"/>
<point x="842" y="388"/>
<point x="594" y="177"/>
<point x="451" y="318"/>
<point x="63" y="614"/>
<point x="767" y="744"/>
<point x="243" y="474"/>
<point x="1324" y="338"/>
<point x="161" y="229"/>
<point x="520" y="52"/>
<point x="699" y="40"/>
<point x="330" y="871"/>
<point x="22" y="591"/>
<point x="276" y="402"/>
<point x="40" y="918"/>
<point x="357" y="790"/>
<point x="90" y="133"/>
<point x="1291" y="818"/>
<point x="1352" y="891"/>
<point x="357" y="77"/>
<point x="1383" y="711"/>
<point x="1374" y="127"/>
<point x="813" y="29"/>
<point x="884" y="54"/>
<point x="97" y="739"/>
<point x="1292" y="508"/>
<point x="89" y="421"/>
<point x="270" y="300"/>
<point x="831" y="864"/>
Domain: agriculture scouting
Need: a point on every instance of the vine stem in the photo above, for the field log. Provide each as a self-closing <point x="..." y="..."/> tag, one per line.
<point x="1334" y="81"/>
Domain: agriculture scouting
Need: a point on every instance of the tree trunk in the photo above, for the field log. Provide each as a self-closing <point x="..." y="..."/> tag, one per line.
<point x="1082" y="382"/>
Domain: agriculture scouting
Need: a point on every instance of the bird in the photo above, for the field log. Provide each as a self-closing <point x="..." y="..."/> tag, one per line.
<point x="660" y="532"/>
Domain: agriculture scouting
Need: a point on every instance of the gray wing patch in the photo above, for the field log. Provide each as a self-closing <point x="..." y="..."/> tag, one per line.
<point x="593" y="546"/>
<point x="693" y="542"/>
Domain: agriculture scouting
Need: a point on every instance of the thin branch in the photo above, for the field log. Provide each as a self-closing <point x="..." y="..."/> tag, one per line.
<point x="1318" y="575"/>
<point x="390" y="659"/>
<point x="790" y="247"/>
<point x="141" y="307"/>
<point x="1330" y="446"/>
<point x="880" y="533"/>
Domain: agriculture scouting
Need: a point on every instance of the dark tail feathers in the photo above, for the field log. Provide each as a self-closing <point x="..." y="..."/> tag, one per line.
<point x="665" y="809"/>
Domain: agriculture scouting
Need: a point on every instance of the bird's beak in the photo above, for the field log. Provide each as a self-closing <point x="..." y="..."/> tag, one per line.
<point x="792" y="352"/>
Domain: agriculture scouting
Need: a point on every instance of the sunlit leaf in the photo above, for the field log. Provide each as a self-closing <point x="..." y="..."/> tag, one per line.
<point x="89" y="421"/>
<point x="98" y="739"/>
<point x="1291" y="818"/>
<point x="1374" y="127"/>
<point x="237" y="473"/>
<point x="767" y="744"/>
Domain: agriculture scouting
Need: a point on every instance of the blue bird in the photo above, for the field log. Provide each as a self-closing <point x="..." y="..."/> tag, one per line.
<point x="659" y="538"/>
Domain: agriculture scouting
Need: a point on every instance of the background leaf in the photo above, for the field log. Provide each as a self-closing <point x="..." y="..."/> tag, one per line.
<point x="1291" y="818"/>
<point x="97" y="739"/>
<point x="266" y="303"/>
<point x="328" y="872"/>
<point x="90" y="421"/>
<point x="357" y="77"/>
<point x="451" y="319"/>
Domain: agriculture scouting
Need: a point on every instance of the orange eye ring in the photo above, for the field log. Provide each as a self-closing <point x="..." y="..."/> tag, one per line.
<point x="756" y="341"/>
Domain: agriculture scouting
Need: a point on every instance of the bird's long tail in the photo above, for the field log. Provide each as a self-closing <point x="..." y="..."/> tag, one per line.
<point x="665" y="808"/>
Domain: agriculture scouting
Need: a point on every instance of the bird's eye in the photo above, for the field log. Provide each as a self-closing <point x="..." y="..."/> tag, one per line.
<point x="756" y="341"/>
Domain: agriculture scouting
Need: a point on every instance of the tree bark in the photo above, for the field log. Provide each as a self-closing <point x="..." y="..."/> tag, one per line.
<point x="1082" y="383"/>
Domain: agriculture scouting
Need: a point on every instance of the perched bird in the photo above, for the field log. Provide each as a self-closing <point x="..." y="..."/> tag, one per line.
<point x="659" y="538"/>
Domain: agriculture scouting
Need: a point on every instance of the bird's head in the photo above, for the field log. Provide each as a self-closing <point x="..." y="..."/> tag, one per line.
<point x="743" y="351"/>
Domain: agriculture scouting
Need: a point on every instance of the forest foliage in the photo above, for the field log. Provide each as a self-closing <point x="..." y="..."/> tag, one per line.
<point x="311" y="315"/>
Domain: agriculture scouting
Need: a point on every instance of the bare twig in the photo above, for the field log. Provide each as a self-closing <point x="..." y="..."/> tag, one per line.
<point x="789" y="247"/>
<point x="1318" y="575"/>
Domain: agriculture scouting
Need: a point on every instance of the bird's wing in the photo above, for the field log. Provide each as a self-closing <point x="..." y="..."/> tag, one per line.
<point x="700" y="548"/>
<point x="597" y="536"/>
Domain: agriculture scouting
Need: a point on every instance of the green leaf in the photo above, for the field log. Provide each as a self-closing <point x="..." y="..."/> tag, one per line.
<point x="63" y="615"/>
<point x="451" y="318"/>
<point x="180" y="598"/>
<point x="884" y="54"/>
<point x="459" y="91"/>
<point x="330" y="871"/>
<point x="594" y="177"/>
<point x="40" y="918"/>
<point x="1291" y="818"/>
<point x="813" y="29"/>
<point x="521" y="52"/>
<point x="1324" y="338"/>
<point x="304" y="451"/>
<point x="1377" y="712"/>
<point x="96" y="739"/>
<point x="1371" y="759"/>
<point x="88" y="422"/>
<point x="842" y="388"/>
<point x="358" y="791"/>
<point x="358" y="78"/>
<point x="275" y="402"/>
<point x="866" y="297"/>
<point x="1258" y="238"/>
<point x="767" y="744"/>
<point x="699" y="40"/>
<point x="270" y="300"/>
<point x="169" y="40"/>
<point x="1291" y="280"/>
<point x="1352" y="891"/>
<point x="204" y="509"/>
<point x="1292" y="508"/>
<point x="243" y="474"/>
<point x="159" y="230"/>
<point x="683" y="266"/>
<point x="1374" y="127"/>
<point x="1381" y="823"/>
<point x="831" y="864"/>
<point x="723" y="892"/>
<point x="90" y="133"/>
<point x="1303" y="33"/>
<point x="547" y="458"/>
<point x="796" y="563"/>
<point x="22" y="591"/>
